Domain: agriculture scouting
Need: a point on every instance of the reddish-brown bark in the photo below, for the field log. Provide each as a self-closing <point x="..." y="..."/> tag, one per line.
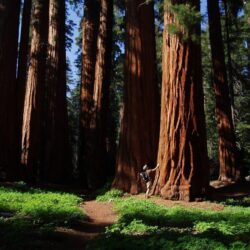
<point x="9" y="21"/>
<point x="140" y="121"/>
<point x="23" y="65"/>
<point x="56" y="163"/>
<point x="227" y="141"/>
<point x="101" y="93"/>
<point x="33" y="115"/>
<point x="89" y="46"/>
<point x="182" y="154"/>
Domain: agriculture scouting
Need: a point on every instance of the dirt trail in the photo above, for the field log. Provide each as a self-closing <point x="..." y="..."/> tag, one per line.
<point x="100" y="213"/>
<point x="99" y="216"/>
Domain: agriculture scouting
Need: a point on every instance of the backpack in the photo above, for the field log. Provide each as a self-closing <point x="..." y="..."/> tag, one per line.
<point x="144" y="176"/>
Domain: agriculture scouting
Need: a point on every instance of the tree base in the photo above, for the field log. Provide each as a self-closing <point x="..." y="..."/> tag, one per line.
<point x="176" y="192"/>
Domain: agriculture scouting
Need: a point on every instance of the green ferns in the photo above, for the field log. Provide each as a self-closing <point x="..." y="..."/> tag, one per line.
<point x="28" y="217"/>
<point x="144" y="225"/>
<point x="42" y="207"/>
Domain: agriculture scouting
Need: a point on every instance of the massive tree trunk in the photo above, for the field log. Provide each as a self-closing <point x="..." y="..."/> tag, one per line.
<point x="23" y="65"/>
<point x="57" y="160"/>
<point x="33" y="118"/>
<point x="9" y="21"/>
<point x="182" y="154"/>
<point x="140" y="121"/>
<point x="227" y="143"/>
<point x="101" y="94"/>
<point x="89" y="45"/>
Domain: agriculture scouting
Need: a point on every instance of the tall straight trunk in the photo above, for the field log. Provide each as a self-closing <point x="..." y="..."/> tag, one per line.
<point x="108" y="128"/>
<point x="23" y="65"/>
<point x="182" y="154"/>
<point x="89" y="48"/>
<point x="57" y="164"/>
<point x="101" y="94"/>
<point x="9" y="21"/>
<point x="33" y="117"/>
<point x="227" y="143"/>
<point x="229" y="57"/>
<point x="140" y="121"/>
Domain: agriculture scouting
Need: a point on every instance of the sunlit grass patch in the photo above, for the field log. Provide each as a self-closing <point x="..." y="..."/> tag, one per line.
<point x="41" y="206"/>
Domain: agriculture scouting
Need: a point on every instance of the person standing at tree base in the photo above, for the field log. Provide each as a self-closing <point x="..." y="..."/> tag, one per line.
<point x="147" y="176"/>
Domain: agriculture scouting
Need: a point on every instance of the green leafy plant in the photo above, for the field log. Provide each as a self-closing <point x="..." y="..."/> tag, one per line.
<point x="110" y="195"/>
<point x="28" y="215"/>
<point x="144" y="225"/>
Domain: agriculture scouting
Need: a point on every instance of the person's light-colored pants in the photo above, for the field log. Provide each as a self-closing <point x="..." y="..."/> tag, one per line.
<point x="148" y="185"/>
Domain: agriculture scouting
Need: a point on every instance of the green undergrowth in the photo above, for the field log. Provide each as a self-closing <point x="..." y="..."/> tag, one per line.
<point x="144" y="225"/>
<point x="244" y="202"/>
<point x="29" y="216"/>
<point x="111" y="195"/>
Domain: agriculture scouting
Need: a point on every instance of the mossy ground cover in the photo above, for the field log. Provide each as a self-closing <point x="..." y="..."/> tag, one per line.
<point x="144" y="225"/>
<point x="29" y="216"/>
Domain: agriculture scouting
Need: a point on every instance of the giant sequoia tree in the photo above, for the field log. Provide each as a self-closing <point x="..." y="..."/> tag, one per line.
<point x="89" y="40"/>
<point x="182" y="154"/>
<point x="227" y="142"/>
<point x="56" y="162"/>
<point x="33" y="115"/>
<point x="9" y="21"/>
<point x="140" y="121"/>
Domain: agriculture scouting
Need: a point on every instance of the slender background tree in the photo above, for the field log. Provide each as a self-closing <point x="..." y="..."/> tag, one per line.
<point x="23" y="57"/>
<point x="33" y="117"/>
<point x="227" y="141"/>
<point x="89" y="50"/>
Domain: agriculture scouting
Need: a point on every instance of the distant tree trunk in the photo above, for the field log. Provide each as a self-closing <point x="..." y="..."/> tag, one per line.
<point x="9" y="21"/>
<point x="182" y="154"/>
<point x="101" y="94"/>
<point x="33" y="118"/>
<point x="229" y="57"/>
<point x="23" y="65"/>
<point x="227" y="143"/>
<point x="89" y="47"/>
<point x="106" y="114"/>
<point x="57" y="161"/>
<point x="140" y="121"/>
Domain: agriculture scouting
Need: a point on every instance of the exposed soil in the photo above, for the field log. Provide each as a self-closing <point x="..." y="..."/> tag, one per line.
<point x="99" y="216"/>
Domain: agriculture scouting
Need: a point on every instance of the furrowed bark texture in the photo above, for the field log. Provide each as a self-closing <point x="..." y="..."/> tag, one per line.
<point x="101" y="94"/>
<point x="227" y="141"/>
<point x="182" y="154"/>
<point x="89" y="47"/>
<point x="23" y="66"/>
<point x="9" y="21"/>
<point x="33" y="118"/>
<point x="57" y="160"/>
<point x="140" y="121"/>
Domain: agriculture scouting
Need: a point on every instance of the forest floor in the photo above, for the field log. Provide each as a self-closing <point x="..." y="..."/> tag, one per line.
<point x="103" y="214"/>
<point x="99" y="215"/>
